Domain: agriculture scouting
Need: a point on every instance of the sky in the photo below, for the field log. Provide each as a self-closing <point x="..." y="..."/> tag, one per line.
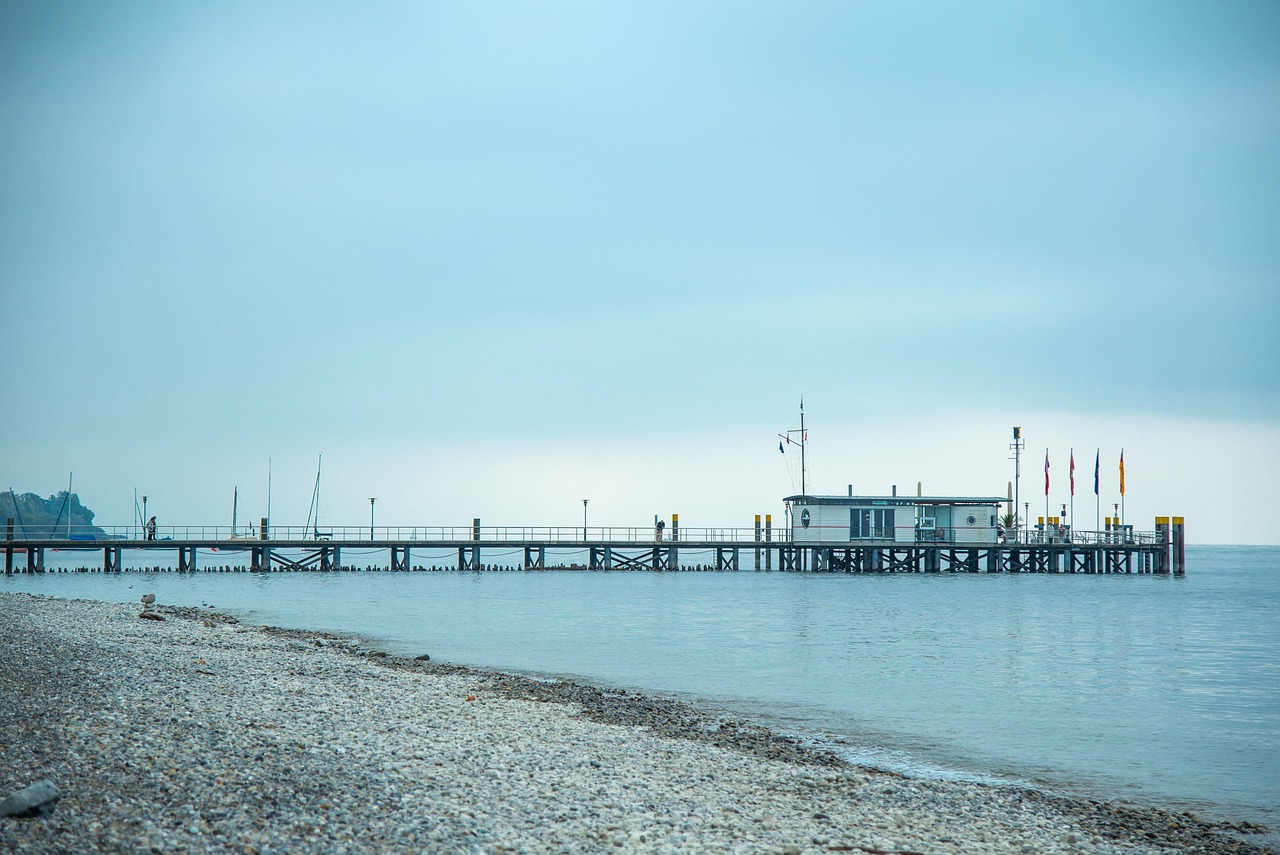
<point x="490" y="259"/>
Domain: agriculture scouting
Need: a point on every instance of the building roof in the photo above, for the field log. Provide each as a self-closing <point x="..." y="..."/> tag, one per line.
<point x="896" y="501"/>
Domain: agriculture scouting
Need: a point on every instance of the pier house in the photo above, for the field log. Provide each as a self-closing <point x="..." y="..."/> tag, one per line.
<point x="825" y="520"/>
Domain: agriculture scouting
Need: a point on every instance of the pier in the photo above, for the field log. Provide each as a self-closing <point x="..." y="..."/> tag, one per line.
<point x="189" y="549"/>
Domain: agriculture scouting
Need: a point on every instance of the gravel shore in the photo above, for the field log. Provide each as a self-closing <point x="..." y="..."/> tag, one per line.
<point x="196" y="733"/>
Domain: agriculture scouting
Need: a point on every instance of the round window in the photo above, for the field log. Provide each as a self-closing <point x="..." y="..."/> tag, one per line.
<point x="972" y="519"/>
<point x="804" y="518"/>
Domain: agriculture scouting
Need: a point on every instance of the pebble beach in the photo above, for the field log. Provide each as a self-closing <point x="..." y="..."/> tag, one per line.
<point x="184" y="730"/>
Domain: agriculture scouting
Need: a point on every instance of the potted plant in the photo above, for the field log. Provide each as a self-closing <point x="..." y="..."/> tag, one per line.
<point x="1009" y="523"/>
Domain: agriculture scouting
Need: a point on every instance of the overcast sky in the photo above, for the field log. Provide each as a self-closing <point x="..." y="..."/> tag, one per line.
<point x="492" y="259"/>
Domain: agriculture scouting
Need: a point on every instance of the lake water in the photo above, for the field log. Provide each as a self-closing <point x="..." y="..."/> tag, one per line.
<point x="1153" y="689"/>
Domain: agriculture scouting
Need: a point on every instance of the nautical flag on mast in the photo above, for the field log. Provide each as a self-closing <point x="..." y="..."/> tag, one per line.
<point x="1122" y="471"/>
<point x="1097" y="461"/>
<point x="780" y="448"/>
<point x="1046" y="471"/>
<point x="1073" y="472"/>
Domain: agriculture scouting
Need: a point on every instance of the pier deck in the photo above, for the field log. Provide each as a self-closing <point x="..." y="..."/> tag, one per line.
<point x="210" y="549"/>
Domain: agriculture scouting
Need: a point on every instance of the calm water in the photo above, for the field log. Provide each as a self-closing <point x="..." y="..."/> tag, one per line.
<point x="1152" y="689"/>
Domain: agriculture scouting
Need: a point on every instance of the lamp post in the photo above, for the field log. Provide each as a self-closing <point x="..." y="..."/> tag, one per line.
<point x="584" y="520"/>
<point x="144" y="516"/>
<point x="372" y="499"/>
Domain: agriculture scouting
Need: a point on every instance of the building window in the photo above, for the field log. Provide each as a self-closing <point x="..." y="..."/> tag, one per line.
<point x="865" y="523"/>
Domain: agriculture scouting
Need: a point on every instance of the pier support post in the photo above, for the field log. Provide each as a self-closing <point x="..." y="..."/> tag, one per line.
<point x="35" y="559"/>
<point x="400" y="559"/>
<point x="1163" y="565"/>
<point x="535" y="557"/>
<point x="757" y="542"/>
<point x="1179" y="547"/>
<point x="673" y="558"/>
<point x="186" y="559"/>
<point x="111" y="559"/>
<point x="329" y="559"/>
<point x="260" y="559"/>
<point x="8" y="548"/>
<point x="726" y="558"/>
<point x="768" y="537"/>
<point x="469" y="556"/>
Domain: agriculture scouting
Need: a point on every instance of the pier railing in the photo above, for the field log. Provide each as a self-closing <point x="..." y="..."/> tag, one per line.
<point x="1083" y="538"/>
<point x="90" y="537"/>
<point x="426" y="535"/>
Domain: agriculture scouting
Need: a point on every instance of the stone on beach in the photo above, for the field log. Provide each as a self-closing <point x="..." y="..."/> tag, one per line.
<point x="34" y="800"/>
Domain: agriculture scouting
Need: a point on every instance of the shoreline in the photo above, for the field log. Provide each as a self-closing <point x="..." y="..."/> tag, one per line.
<point x="200" y="733"/>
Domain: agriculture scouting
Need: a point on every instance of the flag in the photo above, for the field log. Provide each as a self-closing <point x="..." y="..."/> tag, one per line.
<point x="780" y="448"/>
<point x="1122" y="471"/>
<point x="1046" y="471"/>
<point x="1073" y="471"/>
<point x="1097" y="460"/>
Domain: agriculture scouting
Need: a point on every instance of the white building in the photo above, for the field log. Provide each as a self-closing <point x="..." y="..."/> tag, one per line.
<point x="849" y="520"/>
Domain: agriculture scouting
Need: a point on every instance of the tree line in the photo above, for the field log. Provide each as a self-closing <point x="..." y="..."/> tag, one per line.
<point x="36" y="516"/>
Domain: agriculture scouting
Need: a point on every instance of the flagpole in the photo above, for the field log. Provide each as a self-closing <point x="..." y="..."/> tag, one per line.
<point x="1122" y="486"/>
<point x="1097" y="494"/>
<point x="1072" y="521"/>
<point x="1046" y="491"/>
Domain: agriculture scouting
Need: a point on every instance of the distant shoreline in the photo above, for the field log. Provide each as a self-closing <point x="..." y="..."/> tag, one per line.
<point x="198" y="731"/>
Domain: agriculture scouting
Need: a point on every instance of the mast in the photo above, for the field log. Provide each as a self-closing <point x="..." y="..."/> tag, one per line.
<point x="235" y="501"/>
<point x="315" y="497"/>
<point x="70" y="475"/>
<point x="268" y="489"/>
<point x="803" y="437"/>
<point x="802" y="441"/>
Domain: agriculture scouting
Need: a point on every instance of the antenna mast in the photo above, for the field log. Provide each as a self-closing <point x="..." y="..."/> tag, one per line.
<point x="803" y="437"/>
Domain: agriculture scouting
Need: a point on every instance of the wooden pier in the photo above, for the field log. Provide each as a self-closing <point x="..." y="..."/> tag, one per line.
<point x="208" y="549"/>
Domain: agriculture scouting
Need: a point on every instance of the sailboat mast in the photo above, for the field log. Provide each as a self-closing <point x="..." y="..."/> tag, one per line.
<point x="70" y="475"/>
<point x="235" y="502"/>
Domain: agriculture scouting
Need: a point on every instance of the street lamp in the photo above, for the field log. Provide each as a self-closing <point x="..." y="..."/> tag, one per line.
<point x="372" y="499"/>
<point x="584" y="519"/>
<point x="144" y="515"/>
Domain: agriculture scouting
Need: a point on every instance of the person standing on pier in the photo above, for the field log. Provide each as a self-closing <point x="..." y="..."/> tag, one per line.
<point x="658" y="529"/>
<point x="151" y="529"/>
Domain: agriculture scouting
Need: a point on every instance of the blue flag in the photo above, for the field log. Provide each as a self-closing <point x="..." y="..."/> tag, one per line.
<point x="1096" y="459"/>
<point x="780" y="448"/>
